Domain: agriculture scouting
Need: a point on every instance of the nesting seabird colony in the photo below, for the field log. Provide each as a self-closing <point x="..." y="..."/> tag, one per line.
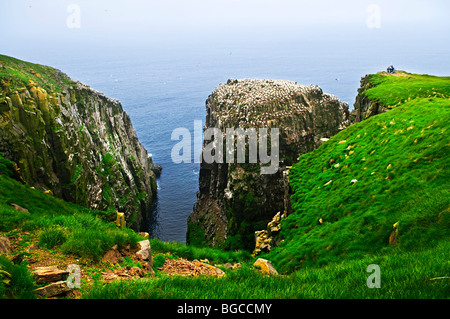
<point x="263" y="103"/>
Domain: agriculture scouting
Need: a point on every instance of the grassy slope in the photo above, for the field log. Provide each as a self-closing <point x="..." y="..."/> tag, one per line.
<point x="392" y="90"/>
<point x="19" y="73"/>
<point x="71" y="230"/>
<point x="398" y="162"/>
<point x="78" y="230"/>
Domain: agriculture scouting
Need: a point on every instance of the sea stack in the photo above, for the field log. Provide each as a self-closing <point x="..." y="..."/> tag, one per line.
<point x="235" y="199"/>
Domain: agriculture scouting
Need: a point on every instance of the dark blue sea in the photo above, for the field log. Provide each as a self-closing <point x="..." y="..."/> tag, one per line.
<point x="163" y="83"/>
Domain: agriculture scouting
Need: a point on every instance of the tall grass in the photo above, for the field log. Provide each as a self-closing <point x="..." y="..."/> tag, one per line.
<point x="16" y="282"/>
<point x="66" y="226"/>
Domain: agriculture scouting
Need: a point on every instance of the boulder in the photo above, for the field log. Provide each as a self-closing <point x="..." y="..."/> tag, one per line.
<point x="19" y="208"/>
<point x="136" y="271"/>
<point x="50" y="274"/>
<point x="145" y="252"/>
<point x="265" y="266"/>
<point x="5" y="246"/>
<point x="157" y="170"/>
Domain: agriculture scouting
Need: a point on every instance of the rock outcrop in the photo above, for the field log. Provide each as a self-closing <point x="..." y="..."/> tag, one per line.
<point x="73" y="141"/>
<point x="363" y="106"/>
<point x="267" y="238"/>
<point x="235" y="199"/>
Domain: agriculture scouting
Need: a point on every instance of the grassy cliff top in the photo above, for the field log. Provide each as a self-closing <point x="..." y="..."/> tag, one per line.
<point x="397" y="88"/>
<point x="391" y="169"/>
<point x="15" y="73"/>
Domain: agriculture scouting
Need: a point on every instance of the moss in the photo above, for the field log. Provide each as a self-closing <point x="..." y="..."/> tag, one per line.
<point x="76" y="173"/>
<point x="196" y="235"/>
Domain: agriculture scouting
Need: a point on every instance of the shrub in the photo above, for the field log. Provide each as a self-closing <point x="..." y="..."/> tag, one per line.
<point x="158" y="261"/>
<point x="51" y="237"/>
<point x="16" y="282"/>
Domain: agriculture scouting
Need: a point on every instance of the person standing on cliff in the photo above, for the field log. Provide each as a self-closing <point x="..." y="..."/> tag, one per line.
<point x="391" y="69"/>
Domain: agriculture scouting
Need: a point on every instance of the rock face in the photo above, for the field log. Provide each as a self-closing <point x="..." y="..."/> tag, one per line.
<point x="267" y="238"/>
<point x="74" y="141"/>
<point x="235" y="199"/>
<point x="365" y="107"/>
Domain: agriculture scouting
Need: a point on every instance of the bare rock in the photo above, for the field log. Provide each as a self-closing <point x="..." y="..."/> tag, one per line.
<point x="145" y="253"/>
<point x="265" y="266"/>
<point x="50" y="274"/>
<point x="113" y="256"/>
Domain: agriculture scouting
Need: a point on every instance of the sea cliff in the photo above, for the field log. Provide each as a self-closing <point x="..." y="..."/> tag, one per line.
<point x="73" y="141"/>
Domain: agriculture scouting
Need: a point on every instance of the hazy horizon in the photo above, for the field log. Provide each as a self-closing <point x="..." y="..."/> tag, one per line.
<point x="144" y="22"/>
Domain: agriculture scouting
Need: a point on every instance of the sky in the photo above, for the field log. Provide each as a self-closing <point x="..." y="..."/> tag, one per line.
<point x="139" y="20"/>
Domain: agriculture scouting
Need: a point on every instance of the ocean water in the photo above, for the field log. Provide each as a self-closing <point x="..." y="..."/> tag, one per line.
<point x="163" y="85"/>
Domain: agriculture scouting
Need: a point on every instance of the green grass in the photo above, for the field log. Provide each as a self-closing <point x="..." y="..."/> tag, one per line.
<point x="19" y="73"/>
<point x="69" y="227"/>
<point x="402" y="275"/>
<point x="16" y="282"/>
<point x="390" y="168"/>
<point x="191" y="252"/>
<point x="392" y="90"/>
